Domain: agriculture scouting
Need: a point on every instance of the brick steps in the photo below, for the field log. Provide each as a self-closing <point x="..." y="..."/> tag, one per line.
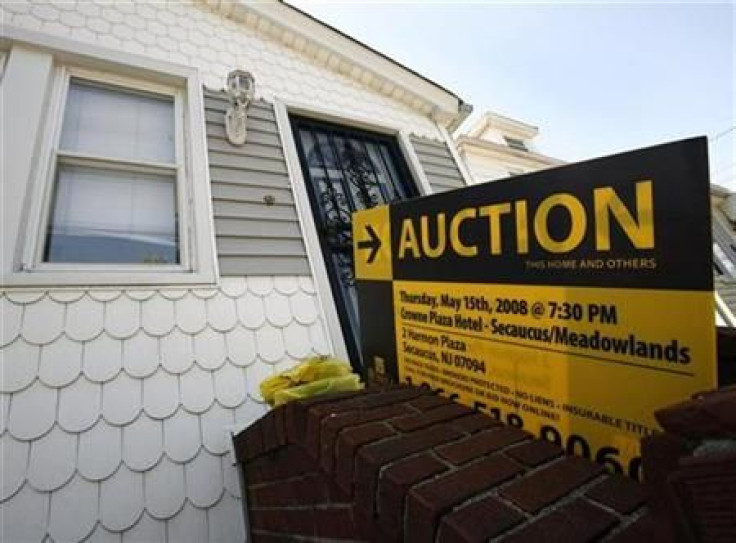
<point x="402" y="464"/>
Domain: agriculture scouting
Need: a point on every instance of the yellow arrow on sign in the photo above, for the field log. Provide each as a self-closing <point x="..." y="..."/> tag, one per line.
<point x="372" y="244"/>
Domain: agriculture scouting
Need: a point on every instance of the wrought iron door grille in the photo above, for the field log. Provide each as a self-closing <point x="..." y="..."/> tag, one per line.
<point x="346" y="170"/>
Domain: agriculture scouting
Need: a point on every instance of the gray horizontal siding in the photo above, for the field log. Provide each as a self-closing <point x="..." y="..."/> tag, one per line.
<point x="252" y="237"/>
<point x="227" y="209"/>
<point x="438" y="164"/>
<point x="246" y="265"/>
<point x="258" y="228"/>
<point x="724" y="238"/>
<point x="726" y="289"/>
<point x="251" y="193"/>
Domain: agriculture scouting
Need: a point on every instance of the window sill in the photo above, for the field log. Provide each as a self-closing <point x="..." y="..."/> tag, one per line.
<point x="94" y="276"/>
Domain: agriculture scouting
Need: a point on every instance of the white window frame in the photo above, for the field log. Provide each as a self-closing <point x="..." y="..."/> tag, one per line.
<point x="33" y="258"/>
<point x="196" y="243"/>
<point x="284" y="109"/>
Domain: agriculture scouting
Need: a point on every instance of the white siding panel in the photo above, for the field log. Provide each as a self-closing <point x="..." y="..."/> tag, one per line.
<point x="123" y="429"/>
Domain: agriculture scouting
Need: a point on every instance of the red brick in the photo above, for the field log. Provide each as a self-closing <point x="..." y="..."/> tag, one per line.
<point x="248" y="444"/>
<point x="297" y="413"/>
<point x="334" y="523"/>
<point x="481" y="444"/>
<point x="402" y="479"/>
<point x="329" y="522"/>
<point x="371" y="399"/>
<point x="705" y="490"/>
<point x="284" y="521"/>
<point x="644" y="530"/>
<point x="348" y="443"/>
<point x="660" y="454"/>
<point x="709" y="415"/>
<point x="368" y="399"/>
<point x="267" y="425"/>
<point x="370" y="531"/>
<point x="427" y="502"/>
<point x="265" y="537"/>
<point x="293" y="430"/>
<point x="730" y="389"/>
<point x="373" y="457"/>
<point x="577" y="522"/>
<point x="395" y="482"/>
<point x="425" y="403"/>
<point x="280" y="425"/>
<point x="289" y="461"/>
<point x="546" y="486"/>
<point x="312" y="488"/>
<point x="534" y="453"/>
<point x="332" y="425"/>
<point x="475" y="422"/>
<point x="401" y="394"/>
<point x="619" y="493"/>
<point x="422" y="420"/>
<point x="478" y="522"/>
<point x="317" y="413"/>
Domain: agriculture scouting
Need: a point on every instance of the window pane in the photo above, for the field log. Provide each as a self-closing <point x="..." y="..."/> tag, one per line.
<point x="515" y="143"/>
<point x="107" y="216"/>
<point x="117" y="124"/>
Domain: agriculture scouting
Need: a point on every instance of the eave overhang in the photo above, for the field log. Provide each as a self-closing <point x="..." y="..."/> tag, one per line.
<point x="342" y="54"/>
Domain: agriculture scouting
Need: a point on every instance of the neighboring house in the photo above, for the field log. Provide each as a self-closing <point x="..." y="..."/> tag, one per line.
<point x="723" y="210"/>
<point x="496" y="147"/>
<point x="153" y="273"/>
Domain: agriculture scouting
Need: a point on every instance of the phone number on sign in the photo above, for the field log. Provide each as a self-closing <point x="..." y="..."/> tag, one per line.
<point x="572" y="444"/>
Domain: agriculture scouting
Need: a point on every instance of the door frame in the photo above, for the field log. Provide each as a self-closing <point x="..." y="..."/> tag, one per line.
<point x="283" y="109"/>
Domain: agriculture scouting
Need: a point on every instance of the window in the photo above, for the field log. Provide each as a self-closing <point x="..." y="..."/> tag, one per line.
<point x="515" y="143"/>
<point x="105" y="176"/>
<point x="114" y="198"/>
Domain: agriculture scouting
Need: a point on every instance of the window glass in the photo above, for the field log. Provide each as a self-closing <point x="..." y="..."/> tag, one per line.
<point x="108" y="216"/>
<point x="111" y="123"/>
<point x="515" y="143"/>
<point x="104" y="211"/>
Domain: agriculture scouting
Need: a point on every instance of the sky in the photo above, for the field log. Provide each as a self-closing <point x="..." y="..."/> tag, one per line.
<point x="596" y="78"/>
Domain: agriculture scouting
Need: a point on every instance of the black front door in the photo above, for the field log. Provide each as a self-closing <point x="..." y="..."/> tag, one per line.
<point x="347" y="169"/>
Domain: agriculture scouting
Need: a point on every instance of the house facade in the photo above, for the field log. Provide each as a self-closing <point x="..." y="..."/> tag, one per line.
<point x="153" y="272"/>
<point x="723" y="215"/>
<point x="496" y="146"/>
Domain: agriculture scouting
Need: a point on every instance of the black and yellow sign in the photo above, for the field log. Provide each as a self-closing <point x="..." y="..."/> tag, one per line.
<point x="571" y="302"/>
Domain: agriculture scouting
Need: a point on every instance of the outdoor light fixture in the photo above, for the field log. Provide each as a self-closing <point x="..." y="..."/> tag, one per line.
<point x="240" y="89"/>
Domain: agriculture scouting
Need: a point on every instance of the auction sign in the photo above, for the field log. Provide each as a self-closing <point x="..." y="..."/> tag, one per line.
<point x="571" y="302"/>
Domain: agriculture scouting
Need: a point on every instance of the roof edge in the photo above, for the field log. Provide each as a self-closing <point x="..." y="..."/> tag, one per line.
<point x="503" y="123"/>
<point x="495" y="149"/>
<point x="347" y="56"/>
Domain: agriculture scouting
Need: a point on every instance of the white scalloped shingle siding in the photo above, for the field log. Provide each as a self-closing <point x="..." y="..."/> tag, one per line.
<point x="115" y="404"/>
<point x="187" y="32"/>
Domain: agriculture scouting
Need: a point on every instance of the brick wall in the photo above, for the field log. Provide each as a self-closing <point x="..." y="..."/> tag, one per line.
<point x="399" y="463"/>
<point x="690" y="468"/>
